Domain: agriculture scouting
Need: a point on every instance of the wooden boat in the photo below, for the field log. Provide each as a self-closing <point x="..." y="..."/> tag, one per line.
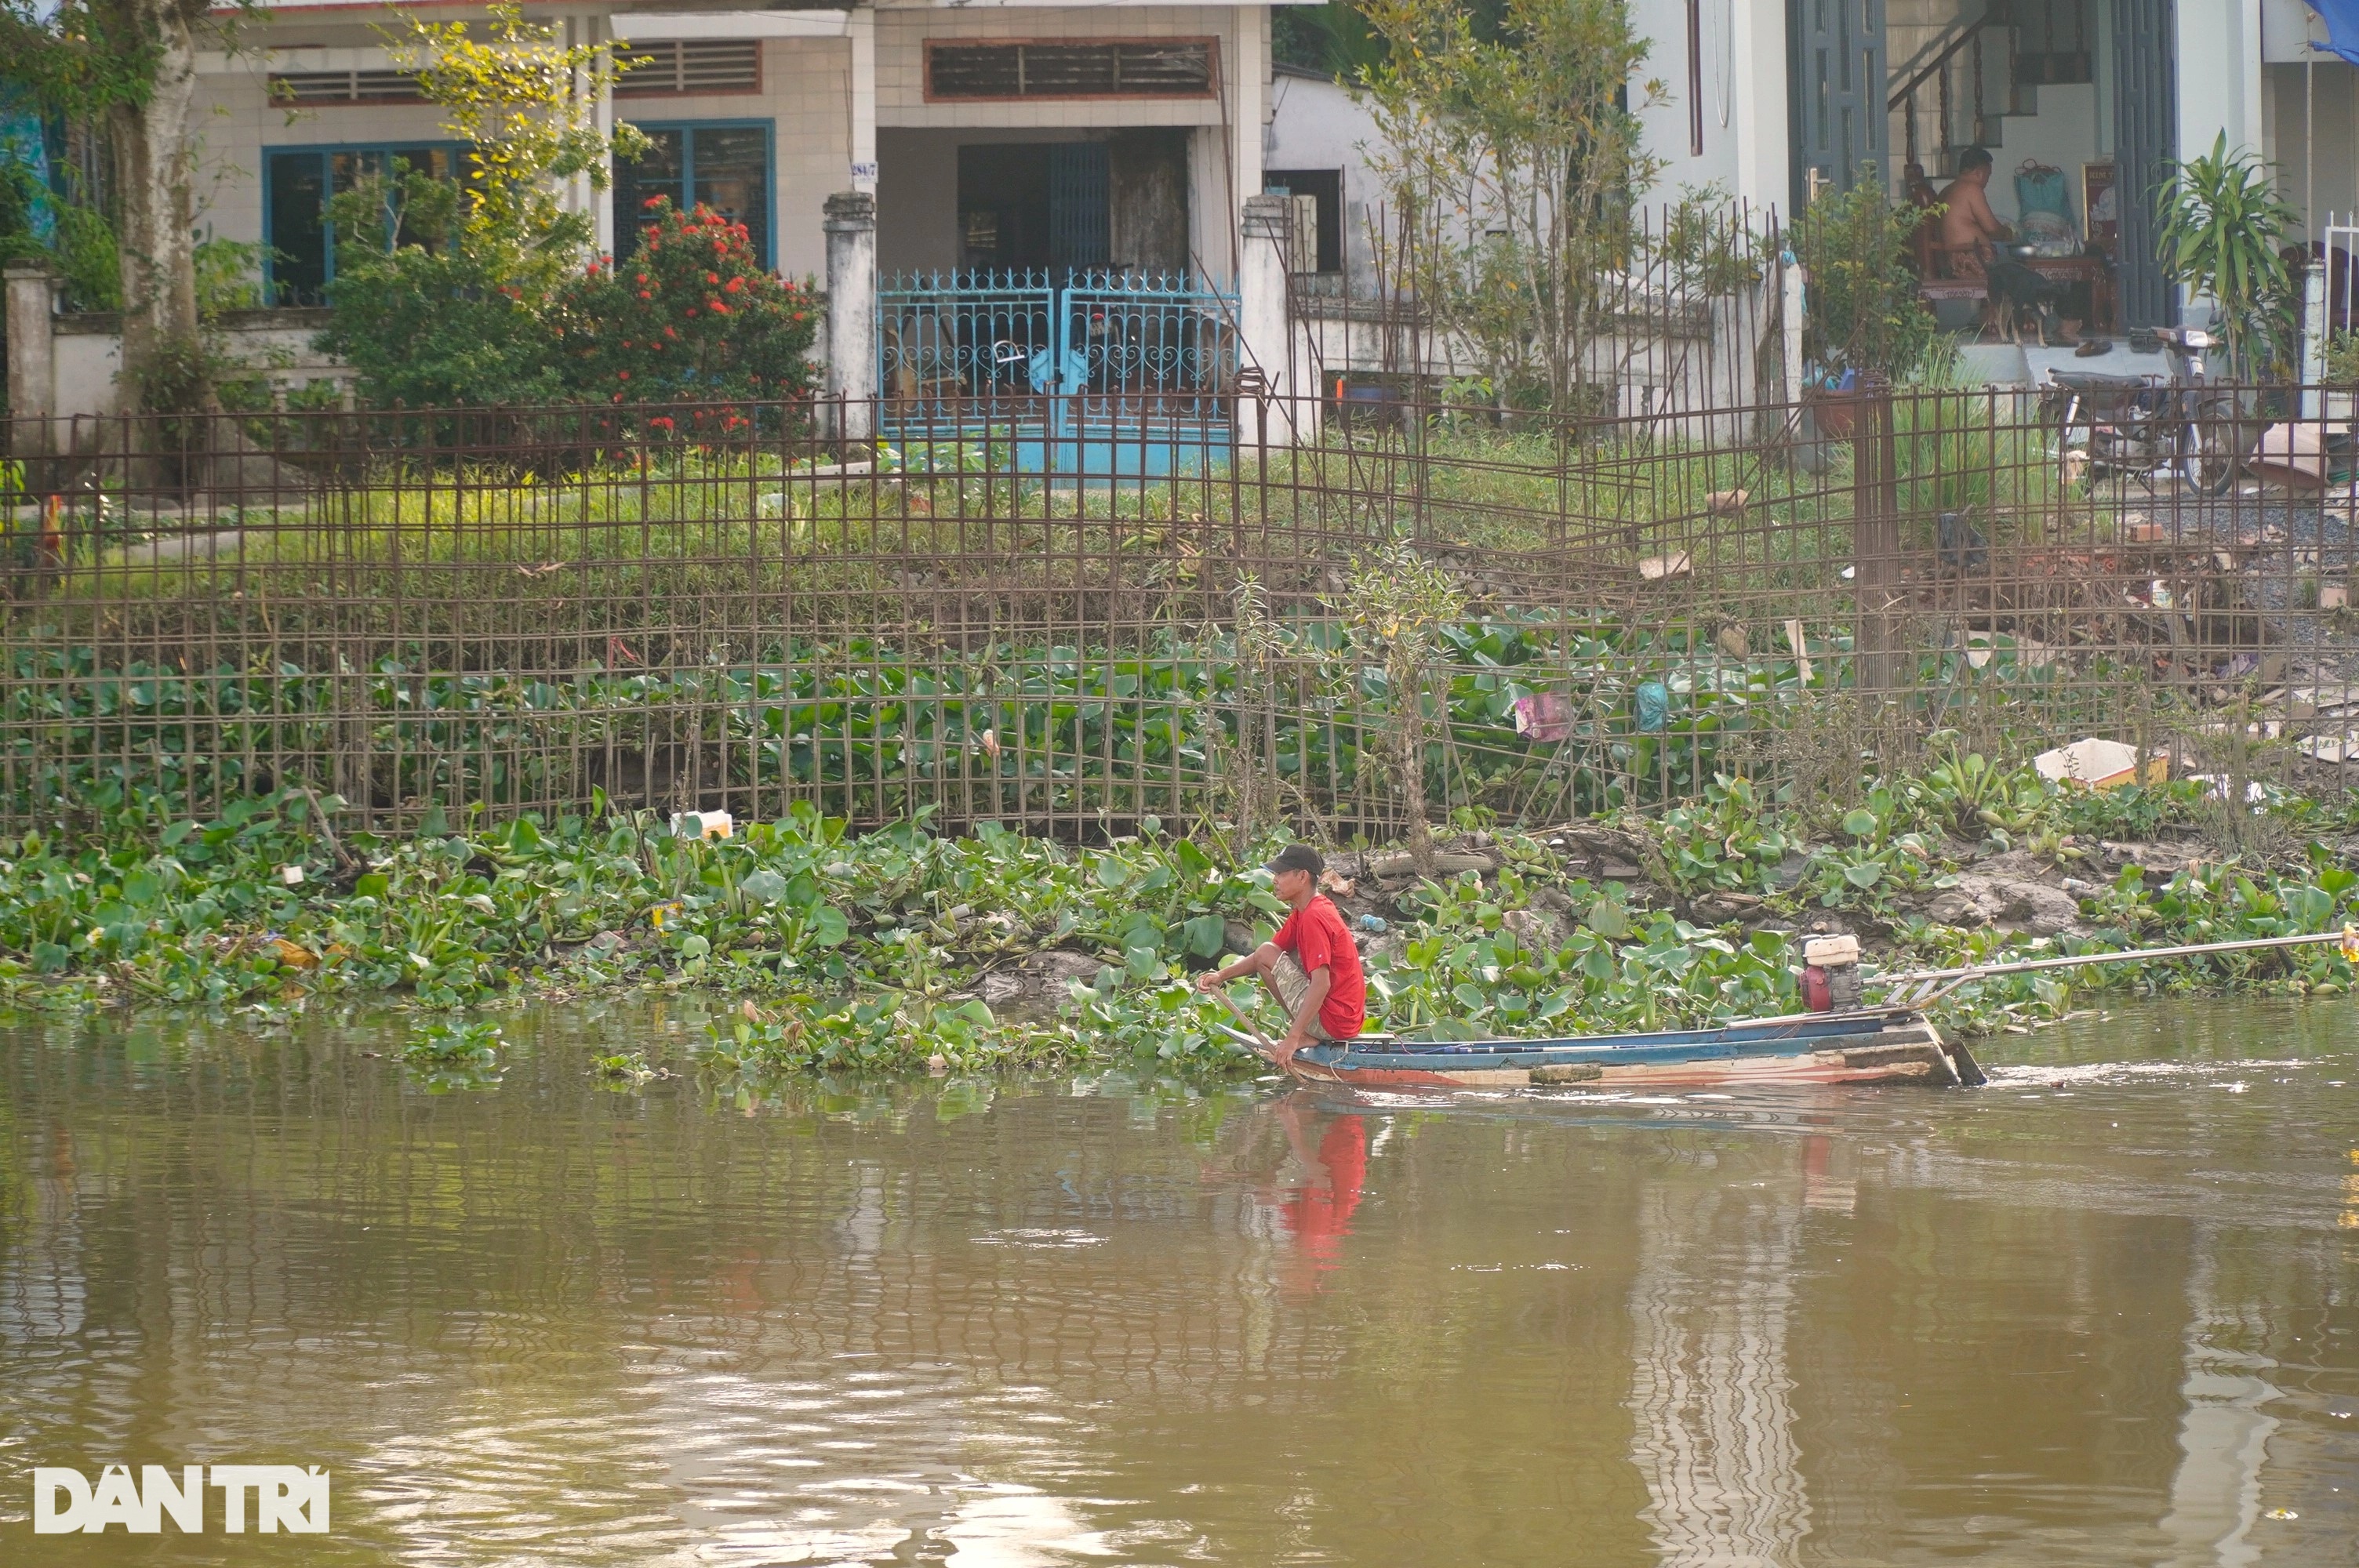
<point x="1891" y="1043"/>
<point x="1886" y="1045"/>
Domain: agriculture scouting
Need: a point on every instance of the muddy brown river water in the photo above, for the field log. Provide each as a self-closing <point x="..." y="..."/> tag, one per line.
<point x="2104" y="1310"/>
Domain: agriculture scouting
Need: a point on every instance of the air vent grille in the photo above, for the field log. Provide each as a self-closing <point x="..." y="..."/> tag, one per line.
<point x="346" y="87"/>
<point x="1162" y="68"/>
<point x="671" y="67"/>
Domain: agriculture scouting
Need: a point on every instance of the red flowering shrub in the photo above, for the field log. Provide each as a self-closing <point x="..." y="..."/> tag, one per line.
<point x="689" y="318"/>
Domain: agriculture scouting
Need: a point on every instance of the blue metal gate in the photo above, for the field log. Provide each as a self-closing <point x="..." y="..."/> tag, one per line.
<point x="1106" y="374"/>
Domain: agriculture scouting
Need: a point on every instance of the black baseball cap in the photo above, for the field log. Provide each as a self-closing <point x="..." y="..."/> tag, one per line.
<point x="1298" y="858"/>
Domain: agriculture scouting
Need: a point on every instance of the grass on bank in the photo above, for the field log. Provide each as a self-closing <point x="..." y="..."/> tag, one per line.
<point x="688" y="520"/>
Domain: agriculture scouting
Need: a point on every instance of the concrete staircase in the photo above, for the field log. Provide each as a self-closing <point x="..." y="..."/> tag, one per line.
<point x="1963" y="80"/>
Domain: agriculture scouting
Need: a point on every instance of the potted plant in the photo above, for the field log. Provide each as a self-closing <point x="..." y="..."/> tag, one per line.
<point x="1864" y="317"/>
<point x="2223" y="229"/>
<point x="2338" y="373"/>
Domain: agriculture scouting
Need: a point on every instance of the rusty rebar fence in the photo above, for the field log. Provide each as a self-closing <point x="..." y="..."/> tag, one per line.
<point x="429" y="613"/>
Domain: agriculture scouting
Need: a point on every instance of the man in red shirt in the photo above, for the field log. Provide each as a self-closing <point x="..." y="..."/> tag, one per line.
<point x="1310" y="966"/>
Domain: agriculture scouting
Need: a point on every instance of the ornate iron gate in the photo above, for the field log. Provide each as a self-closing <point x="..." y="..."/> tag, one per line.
<point x="1105" y="373"/>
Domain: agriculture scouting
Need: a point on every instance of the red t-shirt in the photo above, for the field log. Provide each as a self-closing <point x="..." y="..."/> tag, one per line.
<point x="1320" y="1216"/>
<point x="1315" y="936"/>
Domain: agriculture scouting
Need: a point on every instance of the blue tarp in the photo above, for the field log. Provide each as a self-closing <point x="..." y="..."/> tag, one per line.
<point x="2341" y="19"/>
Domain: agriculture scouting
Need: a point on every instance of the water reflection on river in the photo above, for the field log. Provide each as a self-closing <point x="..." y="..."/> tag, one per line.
<point x="2101" y="1312"/>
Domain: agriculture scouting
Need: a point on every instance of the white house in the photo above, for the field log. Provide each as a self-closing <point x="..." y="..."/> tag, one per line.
<point x="1769" y="98"/>
<point x="1032" y="135"/>
<point x="1121" y="136"/>
<point x="1318" y="146"/>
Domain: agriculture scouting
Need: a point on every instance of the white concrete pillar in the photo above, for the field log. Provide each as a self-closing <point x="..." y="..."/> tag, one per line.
<point x="32" y="352"/>
<point x="1792" y="308"/>
<point x="860" y="27"/>
<point x="1250" y="101"/>
<point x="1757" y="105"/>
<point x="578" y="31"/>
<point x="602" y="202"/>
<point x="1212" y="206"/>
<point x="1224" y="165"/>
<point x="2219" y="49"/>
<point x="2313" y="339"/>
<point x="851" y="228"/>
<point x="1286" y="410"/>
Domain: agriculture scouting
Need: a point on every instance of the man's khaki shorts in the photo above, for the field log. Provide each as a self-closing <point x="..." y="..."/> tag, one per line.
<point x="1291" y="982"/>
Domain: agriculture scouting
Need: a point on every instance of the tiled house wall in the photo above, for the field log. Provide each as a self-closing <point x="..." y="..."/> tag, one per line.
<point x="901" y="63"/>
<point x="805" y="91"/>
<point x="918" y="140"/>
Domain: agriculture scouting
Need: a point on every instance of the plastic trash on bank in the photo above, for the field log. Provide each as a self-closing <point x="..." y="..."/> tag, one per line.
<point x="1543" y="715"/>
<point x="2098" y="764"/>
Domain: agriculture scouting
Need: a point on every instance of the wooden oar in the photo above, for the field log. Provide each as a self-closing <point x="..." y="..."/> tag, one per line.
<point x="1261" y="1043"/>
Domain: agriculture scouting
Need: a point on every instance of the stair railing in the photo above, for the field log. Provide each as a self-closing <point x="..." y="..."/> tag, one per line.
<point x="1945" y="49"/>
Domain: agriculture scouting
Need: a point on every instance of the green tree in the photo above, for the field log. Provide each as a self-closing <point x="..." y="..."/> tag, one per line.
<point x="1865" y="312"/>
<point x="2221" y="227"/>
<point x="1334" y="38"/>
<point x="690" y="316"/>
<point x="1513" y="157"/>
<point x="131" y="66"/>
<point x="445" y="289"/>
<point x="1395" y="604"/>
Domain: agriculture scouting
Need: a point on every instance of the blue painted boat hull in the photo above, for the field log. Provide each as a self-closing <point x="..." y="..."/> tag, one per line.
<point x="1817" y="1048"/>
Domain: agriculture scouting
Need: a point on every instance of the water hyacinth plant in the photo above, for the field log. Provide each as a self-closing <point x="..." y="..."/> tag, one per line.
<point x="868" y="952"/>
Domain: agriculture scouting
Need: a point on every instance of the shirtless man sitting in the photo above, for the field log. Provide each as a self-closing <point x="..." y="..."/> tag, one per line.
<point x="1968" y="224"/>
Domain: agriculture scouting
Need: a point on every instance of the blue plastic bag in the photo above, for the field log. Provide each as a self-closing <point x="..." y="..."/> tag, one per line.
<point x="1653" y="706"/>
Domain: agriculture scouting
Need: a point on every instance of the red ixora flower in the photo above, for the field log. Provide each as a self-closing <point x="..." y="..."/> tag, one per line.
<point x="645" y="294"/>
<point x="716" y="307"/>
<point x="622" y="375"/>
<point x="712" y="277"/>
<point x="651" y="202"/>
<point x="732" y="286"/>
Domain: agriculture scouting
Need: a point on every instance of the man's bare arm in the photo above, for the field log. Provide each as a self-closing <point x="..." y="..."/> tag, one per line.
<point x="1985" y="221"/>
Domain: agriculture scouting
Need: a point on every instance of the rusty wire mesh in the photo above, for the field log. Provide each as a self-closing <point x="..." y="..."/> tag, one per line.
<point x="528" y="609"/>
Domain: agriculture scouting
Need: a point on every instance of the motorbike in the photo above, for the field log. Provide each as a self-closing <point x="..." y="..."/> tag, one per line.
<point x="2180" y="428"/>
